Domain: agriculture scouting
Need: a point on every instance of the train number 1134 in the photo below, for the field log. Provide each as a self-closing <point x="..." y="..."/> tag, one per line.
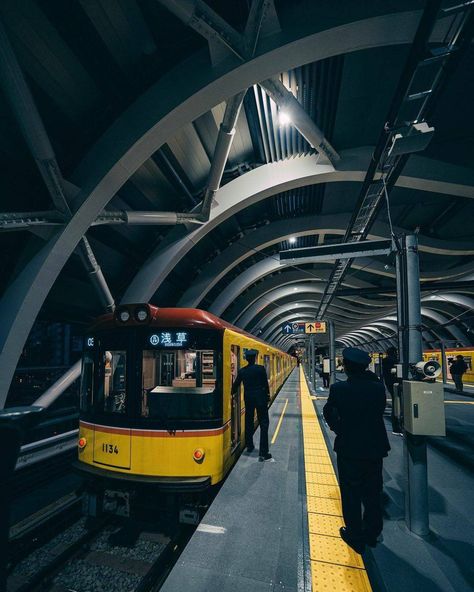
<point x="110" y="448"/>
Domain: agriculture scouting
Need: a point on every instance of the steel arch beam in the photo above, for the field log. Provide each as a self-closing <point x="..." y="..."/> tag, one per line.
<point x="278" y="231"/>
<point x="270" y="265"/>
<point x="340" y="311"/>
<point x="304" y="307"/>
<point x="284" y="293"/>
<point x="150" y="122"/>
<point x="293" y="277"/>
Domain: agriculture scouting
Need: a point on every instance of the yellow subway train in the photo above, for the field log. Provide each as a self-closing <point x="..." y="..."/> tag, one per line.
<point x="156" y="411"/>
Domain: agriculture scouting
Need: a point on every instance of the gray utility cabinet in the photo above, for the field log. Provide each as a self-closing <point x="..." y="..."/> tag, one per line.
<point x="423" y="408"/>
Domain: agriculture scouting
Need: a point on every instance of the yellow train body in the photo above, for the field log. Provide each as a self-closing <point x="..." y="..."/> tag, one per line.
<point x="164" y="456"/>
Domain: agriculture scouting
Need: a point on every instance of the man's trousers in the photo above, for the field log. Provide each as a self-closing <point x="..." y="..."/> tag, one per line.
<point x="251" y="405"/>
<point x="361" y="484"/>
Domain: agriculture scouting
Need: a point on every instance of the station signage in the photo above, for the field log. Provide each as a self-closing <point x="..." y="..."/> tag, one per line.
<point x="315" y="327"/>
<point x="293" y="328"/>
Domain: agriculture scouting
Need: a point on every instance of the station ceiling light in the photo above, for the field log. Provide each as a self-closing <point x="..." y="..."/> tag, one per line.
<point x="283" y="118"/>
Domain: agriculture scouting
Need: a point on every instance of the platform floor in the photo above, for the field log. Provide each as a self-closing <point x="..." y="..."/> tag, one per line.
<point x="274" y="526"/>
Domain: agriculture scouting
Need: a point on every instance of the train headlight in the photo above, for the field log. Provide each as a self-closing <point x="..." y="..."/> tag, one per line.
<point x="82" y="442"/>
<point x="141" y="314"/>
<point x="198" y="455"/>
<point x="124" y="315"/>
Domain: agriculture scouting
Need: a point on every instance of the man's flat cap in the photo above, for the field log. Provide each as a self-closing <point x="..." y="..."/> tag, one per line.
<point x="251" y="352"/>
<point x="353" y="354"/>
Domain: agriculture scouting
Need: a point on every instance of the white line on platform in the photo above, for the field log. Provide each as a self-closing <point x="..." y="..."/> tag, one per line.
<point x="211" y="529"/>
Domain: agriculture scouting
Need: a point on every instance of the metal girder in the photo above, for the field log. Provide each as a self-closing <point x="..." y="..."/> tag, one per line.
<point x="387" y="161"/>
<point x="257" y="185"/>
<point x="367" y="248"/>
<point x="303" y="290"/>
<point x="269" y="265"/>
<point x="278" y="231"/>
<point x="302" y="306"/>
<point x="200" y="17"/>
<point x="287" y="278"/>
<point x="29" y="120"/>
<point x="424" y="287"/>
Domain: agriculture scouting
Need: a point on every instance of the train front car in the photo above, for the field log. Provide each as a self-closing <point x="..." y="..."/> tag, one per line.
<point x="158" y="420"/>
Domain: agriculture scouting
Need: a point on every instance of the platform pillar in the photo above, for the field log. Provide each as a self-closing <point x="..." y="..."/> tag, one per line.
<point x="444" y="370"/>
<point x="411" y="352"/>
<point x="332" y="354"/>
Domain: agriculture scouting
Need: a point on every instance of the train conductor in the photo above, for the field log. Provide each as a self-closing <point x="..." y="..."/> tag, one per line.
<point x="354" y="411"/>
<point x="256" y="397"/>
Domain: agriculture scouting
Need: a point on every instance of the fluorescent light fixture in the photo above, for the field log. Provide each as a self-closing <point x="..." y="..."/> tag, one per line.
<point x="283" y="118"/>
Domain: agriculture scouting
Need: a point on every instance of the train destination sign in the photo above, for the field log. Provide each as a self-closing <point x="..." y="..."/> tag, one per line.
<point x="315" y="327"/>
<point x="169" y="339"/>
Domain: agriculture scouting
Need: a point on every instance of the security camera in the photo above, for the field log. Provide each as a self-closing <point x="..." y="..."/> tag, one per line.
<point x="429" y="370"/>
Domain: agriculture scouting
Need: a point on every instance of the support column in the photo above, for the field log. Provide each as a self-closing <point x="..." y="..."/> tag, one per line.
<point x="416" y="495"/>
<point x="332" y="354"/>
<point x="444" y="370"/>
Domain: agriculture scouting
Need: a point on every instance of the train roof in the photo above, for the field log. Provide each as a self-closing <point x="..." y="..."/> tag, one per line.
<point x="189" y="318"/>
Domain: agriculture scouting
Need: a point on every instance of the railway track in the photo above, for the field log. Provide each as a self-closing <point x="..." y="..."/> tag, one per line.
<point x="108" y="555"/>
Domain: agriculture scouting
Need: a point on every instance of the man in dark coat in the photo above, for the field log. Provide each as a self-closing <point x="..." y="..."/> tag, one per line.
<point x="457" y="368"/>
<point x="390" y="378"/>
<point x="354" y="411"/>
<point x="256" y="396"/>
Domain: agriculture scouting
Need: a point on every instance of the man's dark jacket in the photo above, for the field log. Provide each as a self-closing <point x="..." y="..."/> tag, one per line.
<point x="354" y="411"/>
<point x="458" y="367"/>
<point x="255" y="382"/>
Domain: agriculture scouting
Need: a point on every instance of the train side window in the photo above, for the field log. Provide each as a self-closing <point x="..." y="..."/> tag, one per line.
<point x="87" y="382"/>
<point x="114" y="381"/>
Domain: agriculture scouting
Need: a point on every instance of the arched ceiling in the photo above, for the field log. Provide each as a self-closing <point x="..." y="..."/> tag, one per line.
<point x="129" y="121"/>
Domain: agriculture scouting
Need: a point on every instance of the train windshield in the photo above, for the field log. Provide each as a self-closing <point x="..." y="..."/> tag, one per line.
<point x="180" y="384"/>
<point x="112" y="382"/>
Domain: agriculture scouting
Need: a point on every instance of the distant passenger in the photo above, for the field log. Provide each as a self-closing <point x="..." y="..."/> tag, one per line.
<point x="354" y="411"/>
<point x="256" y="396"/>
<point x="390" y="378"/>
<point x="457" y="368"/>
<point x="324" y="373"/>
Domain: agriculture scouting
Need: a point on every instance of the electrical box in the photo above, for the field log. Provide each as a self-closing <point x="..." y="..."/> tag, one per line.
<point x="423" y="408"/>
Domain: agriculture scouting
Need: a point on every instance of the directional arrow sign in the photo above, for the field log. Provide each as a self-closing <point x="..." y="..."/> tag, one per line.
<point x="315" y="327"/>
<point x="292" y="328"/>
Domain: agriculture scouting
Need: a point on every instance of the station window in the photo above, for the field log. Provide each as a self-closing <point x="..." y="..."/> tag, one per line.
<point x="113" y="381"/>
<point x="180" y="384"/>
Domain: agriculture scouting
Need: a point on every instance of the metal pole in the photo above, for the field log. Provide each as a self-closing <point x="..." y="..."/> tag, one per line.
<point x="416" y="499"/>
<point x="444" y="370"/>
<point x="332" y="354"/>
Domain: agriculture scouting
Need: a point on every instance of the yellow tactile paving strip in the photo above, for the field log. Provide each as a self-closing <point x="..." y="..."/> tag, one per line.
<point x="335" y="567"/>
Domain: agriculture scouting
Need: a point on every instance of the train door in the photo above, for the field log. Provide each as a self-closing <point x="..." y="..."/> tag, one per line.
<point x="235" y="423"/>
<point x="112" y="447"/>
<point x="167" y="368"/>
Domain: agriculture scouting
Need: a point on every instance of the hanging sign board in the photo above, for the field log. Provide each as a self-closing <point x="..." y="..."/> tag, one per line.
<point x="315" y="327"/>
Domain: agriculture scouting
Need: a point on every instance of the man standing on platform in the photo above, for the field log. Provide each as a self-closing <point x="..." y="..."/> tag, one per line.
<point x="457" y="369"/>
<point x="354" y="411"/>
<point x="256" y="397"/>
